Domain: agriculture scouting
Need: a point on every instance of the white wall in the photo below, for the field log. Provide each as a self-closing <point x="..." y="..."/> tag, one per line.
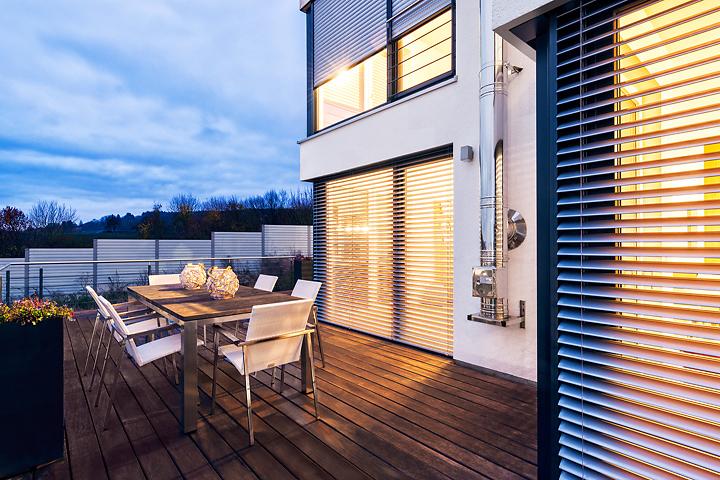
<point x="511" y="350"/>
<point x="450" y="114"/>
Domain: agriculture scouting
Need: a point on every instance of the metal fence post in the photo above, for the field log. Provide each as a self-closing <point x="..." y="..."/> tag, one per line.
<point x="262" y="241"/>
<point x="149" y="272"/>
<point x="212" y="249"/>
<point x="27" y="272"/>
<point x="95" y="265"/>
<point x="7" y="286"/>
<point x="157" y="256"/>
<point x="40" y="283"/>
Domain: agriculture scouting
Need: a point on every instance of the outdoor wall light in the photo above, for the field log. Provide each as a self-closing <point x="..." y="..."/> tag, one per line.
<point x="466" y="153"/>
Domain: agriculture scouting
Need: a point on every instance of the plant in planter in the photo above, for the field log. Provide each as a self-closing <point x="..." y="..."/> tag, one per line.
<point x="31" y="407"/>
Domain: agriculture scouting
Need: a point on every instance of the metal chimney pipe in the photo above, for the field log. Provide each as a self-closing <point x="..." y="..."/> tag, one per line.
<point x="492" y="273"/>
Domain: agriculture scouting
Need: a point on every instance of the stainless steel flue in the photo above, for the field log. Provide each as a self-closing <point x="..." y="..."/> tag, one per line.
<point x="490" y="278"/>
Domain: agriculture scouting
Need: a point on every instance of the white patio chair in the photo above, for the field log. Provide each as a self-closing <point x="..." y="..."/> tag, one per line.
<point x="102" y="316"/>
<point x="266" y="282"/>
<point x="164" y="279"/>
<point x="142" y="325"/>
<point x="263" y="282"/>
<point x="274" y="338"/>
<point x="141" y="355"/>
<point x="310" y="289"/>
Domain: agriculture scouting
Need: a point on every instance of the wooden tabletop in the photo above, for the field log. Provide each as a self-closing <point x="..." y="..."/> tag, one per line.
<point x="192" y="305"/>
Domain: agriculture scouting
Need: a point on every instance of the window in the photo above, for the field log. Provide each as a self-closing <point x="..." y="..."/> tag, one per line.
<point x="353" y="70"/>
<point x="352" y="91"/>
<point x="638" y="240"/>
<point x="425" y="53"/>
<point x="384" y="252"/>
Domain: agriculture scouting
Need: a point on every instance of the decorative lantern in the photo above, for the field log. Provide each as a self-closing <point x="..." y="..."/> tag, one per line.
<point x="193" y="276"/>
<point x="222" y="282"/>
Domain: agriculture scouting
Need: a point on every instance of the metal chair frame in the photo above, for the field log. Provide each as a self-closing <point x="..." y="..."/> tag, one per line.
<point x="307" y="333"/>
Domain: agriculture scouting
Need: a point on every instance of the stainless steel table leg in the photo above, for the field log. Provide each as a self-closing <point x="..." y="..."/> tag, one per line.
<point x="189" y="383"/>
<point x="305" y="380"/>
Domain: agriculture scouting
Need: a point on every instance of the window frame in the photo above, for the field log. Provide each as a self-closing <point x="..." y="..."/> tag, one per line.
<point x="392" y="68"/>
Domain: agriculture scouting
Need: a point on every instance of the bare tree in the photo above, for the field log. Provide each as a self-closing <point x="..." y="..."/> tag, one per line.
<point x="215" y="204"/>
<point x="184" y="203"/>
<point x="51" y="214"/>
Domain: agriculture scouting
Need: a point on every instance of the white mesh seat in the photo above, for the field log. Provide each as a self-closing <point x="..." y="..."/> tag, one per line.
<point x="266" y="282"/>
<point x="164" y="279"/>
<point x="157" y="349"/>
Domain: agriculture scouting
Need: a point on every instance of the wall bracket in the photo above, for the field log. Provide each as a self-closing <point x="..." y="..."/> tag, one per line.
<point x="507" y="322"/>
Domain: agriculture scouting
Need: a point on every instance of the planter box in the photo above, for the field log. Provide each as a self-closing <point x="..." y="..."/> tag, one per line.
<point x="31" y="402"/>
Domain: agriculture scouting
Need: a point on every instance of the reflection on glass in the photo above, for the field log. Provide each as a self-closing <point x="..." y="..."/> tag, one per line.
<point x="425" y="53"/>
<point x="352" y="91"/>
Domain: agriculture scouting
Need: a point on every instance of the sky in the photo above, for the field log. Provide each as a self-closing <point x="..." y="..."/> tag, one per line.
<point x="111" y="106"/>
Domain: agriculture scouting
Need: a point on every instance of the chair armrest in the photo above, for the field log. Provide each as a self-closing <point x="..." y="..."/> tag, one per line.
<point x="145" y="333"/>
<point x="140" y="318"/>
<point x="274" y="337"/>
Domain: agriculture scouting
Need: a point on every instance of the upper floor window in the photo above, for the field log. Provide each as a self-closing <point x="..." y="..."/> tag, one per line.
<point x="424" y="53"/>
<point x="368" y="52"/>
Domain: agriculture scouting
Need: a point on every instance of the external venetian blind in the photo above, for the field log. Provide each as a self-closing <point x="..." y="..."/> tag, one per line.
<point x="383" y="250"/>
<point x="344" y="33"/>
<point x="406" y="14"/>
<point x="638" y="171"/>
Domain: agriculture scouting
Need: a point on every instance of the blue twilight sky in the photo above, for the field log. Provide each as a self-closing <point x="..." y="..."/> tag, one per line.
<point x="111" y="105"/>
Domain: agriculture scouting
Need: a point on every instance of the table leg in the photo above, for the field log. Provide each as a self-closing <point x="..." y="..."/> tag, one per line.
<point x="189" y="383"/>
<point x="305" y="380"/>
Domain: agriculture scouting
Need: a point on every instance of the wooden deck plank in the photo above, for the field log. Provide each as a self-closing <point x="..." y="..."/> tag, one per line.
<point x="387" y="411"/>
<point x="424" y="395"/>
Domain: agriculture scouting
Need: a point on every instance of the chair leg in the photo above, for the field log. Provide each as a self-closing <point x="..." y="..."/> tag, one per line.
<point x="214" y="377"/>
<point x="205" y="335"/>
<point x="92" y="337"/>
<point x="312" y="372"/>
<point x="248" y="397"/>
<point x="102" y="371"/>
<point x="282" y="378"/>
<point x="319" y="342"/>
<point x="97" y="354"/>
<point x="113" y="387"/>
<point x="165" y="366"/>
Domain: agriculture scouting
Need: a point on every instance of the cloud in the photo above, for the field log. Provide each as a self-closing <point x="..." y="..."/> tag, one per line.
<point x="125" y="100"/>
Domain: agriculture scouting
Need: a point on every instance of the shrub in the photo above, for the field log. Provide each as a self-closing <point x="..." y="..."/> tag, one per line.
<point x="31" y="311"/>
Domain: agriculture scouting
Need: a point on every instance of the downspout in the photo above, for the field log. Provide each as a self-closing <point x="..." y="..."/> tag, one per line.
<point x="490" y="279"/>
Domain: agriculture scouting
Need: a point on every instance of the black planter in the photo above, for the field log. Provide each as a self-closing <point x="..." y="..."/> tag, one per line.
<point x="31" y="396"/>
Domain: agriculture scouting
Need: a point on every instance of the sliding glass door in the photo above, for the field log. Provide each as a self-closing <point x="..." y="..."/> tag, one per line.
<point x="383" y="250"/>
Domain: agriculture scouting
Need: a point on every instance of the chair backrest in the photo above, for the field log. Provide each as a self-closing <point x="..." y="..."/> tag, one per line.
<point x="119" y="327"/>
<point x="101" y="307"/>
<point x="272" y="320"/>
<point x="166" y="279"/>
<point x="306" y="289"/>
<point x="266" y="282"/>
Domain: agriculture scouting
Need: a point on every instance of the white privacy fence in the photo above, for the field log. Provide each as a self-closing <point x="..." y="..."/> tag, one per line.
<point x="112" y="263"/>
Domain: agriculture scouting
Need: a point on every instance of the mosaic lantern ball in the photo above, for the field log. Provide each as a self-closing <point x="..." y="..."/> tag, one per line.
<point x="222" y="283"/>
<point x="193" y="276"/>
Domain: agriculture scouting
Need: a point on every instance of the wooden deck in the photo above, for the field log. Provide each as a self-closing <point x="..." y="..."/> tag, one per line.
<point x="387" y="411"/>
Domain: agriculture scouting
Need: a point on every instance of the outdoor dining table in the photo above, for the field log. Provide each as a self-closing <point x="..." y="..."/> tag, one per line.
<point x="194" y="308"/>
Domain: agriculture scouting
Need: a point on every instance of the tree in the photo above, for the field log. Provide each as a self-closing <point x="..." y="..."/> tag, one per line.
<point x="152" y="227"/>
<point x="13" y="220"/>
<point x="52" y="214"/>
<point x="184" y="204"/>
<point x="112" y="222"/>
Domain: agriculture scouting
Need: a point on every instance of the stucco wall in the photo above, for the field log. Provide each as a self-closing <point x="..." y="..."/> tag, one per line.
<point x="449" y="114"/>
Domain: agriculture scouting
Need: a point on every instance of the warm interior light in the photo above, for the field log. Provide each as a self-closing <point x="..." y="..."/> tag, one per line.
<point x="425" y="53"/>
<point x="352" y="91"/>
<point x="656" y="54"/>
